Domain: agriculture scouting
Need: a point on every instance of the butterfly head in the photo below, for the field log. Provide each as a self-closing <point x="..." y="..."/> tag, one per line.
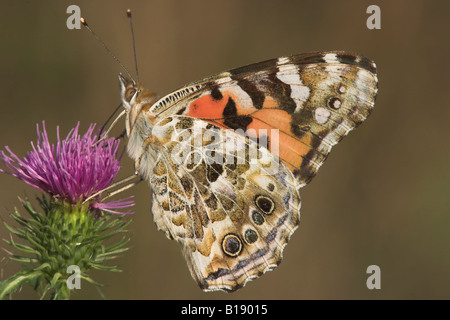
<point x="135" y="99"/>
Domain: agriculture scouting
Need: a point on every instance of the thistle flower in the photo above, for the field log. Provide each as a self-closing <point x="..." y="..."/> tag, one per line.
<point x="75" y="221"/>
<point x="73" y="170"/>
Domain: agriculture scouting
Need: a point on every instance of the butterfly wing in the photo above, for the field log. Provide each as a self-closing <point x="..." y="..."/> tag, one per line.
<point x="234" y="219"/>
<point x="230" y="203"/>
<point x="313" y="100"/>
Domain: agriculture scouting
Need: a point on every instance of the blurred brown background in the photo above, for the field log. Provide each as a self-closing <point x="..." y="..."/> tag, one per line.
<point x="381" y="198"/>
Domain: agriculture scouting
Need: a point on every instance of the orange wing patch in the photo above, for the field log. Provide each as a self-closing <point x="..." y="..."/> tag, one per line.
<point x="291" y="149"/>
<point x="224" y="109"/>
<point x="206" y="107"/>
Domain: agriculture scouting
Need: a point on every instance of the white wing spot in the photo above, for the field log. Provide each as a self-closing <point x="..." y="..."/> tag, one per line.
<point x="362" y="82"/>
<point x="299" y="92"/>
<point x="330" y="58"/>
<point x="337" y="103"/>
<point x="283" y="60"/>
<point x="223" y="80"/>
<point x="322" y="115"/>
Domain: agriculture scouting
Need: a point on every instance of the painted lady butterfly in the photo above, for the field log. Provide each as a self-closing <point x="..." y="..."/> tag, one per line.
<point x="233" y="212"/>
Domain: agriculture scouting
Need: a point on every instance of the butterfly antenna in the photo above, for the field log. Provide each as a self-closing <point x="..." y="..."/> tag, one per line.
<point x="84" y="23"/>
<point x="134" y="43"/>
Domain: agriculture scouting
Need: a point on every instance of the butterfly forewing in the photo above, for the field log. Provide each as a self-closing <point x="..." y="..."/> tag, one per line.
<point x="314" y="100"/>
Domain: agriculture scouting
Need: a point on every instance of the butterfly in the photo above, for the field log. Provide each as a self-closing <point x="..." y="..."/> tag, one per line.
<point x="226" y="156"/>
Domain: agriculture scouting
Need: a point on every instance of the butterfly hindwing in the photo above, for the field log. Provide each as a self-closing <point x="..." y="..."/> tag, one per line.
<point x="232" y="212"/>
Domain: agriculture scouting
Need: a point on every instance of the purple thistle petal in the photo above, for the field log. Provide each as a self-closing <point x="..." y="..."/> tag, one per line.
<point x="73" y="169"/>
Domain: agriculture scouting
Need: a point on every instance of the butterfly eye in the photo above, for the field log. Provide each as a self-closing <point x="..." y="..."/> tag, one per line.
<point x="130" y="93"/>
